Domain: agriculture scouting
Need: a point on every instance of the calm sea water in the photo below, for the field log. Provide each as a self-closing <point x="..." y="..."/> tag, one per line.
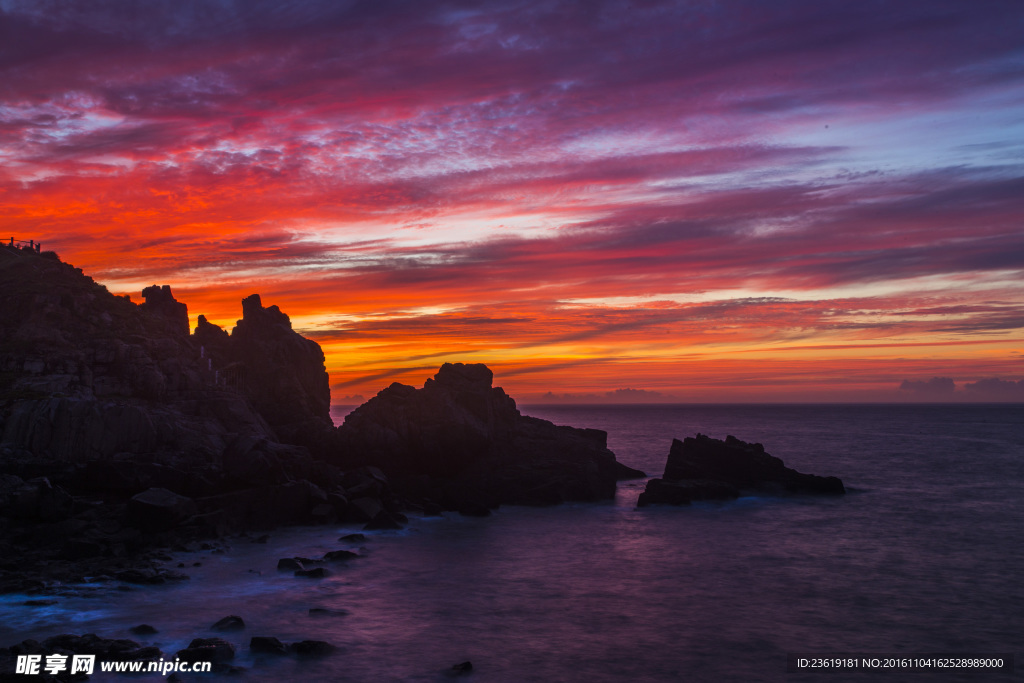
<point x="924" y="554"/>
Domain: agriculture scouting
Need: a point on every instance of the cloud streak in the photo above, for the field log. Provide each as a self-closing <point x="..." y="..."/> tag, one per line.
<point x="609" y="184"/>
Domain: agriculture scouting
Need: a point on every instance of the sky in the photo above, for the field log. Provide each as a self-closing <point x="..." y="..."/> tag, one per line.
<point x="696" y="201"/>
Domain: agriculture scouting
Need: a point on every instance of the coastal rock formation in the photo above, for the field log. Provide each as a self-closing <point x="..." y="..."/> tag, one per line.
<point x="114" y="420"/>
<point x="120" y="430"/>
<point x="702" y="468"/>
<point x="281" y="372"/>
<point x="160" y="301"/>
<point x="461" y="442"/>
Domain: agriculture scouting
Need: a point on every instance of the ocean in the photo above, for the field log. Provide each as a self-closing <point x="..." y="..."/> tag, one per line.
<point x="923" y="555"/>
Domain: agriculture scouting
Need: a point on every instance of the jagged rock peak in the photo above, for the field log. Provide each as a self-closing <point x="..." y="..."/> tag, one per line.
<point x="207" y="332"/>
<point x="157" y="295"/>
<point x="253" y="312"/>
<point x="161" y="301"/>
<point x="463" y="376"/>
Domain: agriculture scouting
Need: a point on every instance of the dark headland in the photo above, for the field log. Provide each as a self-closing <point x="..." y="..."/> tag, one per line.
<point x="122" y="431"/>
<point x="123" y="434"/>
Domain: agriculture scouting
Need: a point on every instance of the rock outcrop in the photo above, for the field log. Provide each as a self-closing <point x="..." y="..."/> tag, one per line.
<point x="462" y="443"/>
<point x="281" y="371"/>
<point x="702" y="468"/>
<point x="118" y="428"/>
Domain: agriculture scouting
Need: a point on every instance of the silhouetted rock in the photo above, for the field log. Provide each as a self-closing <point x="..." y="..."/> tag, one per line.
<point x="336" y="555"/>
<point x="315" y="573"/>
<point x="92" y="644"/>
<point x="702" y="468"/>
<point x="283" y="373"/>
<point x="267" y="645"/>
<point x="462" y="442"/>
<point x="207" y="650"/>
<point x="161" y="302"/>
<point x="229" y="623"/>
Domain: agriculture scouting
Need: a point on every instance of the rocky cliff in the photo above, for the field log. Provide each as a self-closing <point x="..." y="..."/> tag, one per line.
<point x="114" y="419"/>
<point x="459" y="441"/>
<point x="280" y="372"/>
<point x="103" y="400"/>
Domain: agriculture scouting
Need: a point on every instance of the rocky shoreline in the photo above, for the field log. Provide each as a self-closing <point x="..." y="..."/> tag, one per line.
<point x="123" y="433"/>
<point x="125" y="436"/>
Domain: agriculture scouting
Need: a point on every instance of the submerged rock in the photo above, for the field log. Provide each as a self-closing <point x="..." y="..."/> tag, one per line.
<point x="463" y="668"/>
<point x="229" y="623"/>
<point x="207" y="650"/>
<point x="336" y="555"/>
<point x="316" y="573"/>
<point x="702" y="468"/>
<point x="267" y="645"/>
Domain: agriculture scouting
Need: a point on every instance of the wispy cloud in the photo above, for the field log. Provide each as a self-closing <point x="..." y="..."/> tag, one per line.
<point x="545" y="185"/>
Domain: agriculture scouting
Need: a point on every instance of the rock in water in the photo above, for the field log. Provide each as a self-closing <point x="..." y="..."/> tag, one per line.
<point x="232" y="622"/>
<point x="267" y="645"/>
<point x="207" y="650"/>
<point x="702" y="468"/>
<point x="462" y="442"/>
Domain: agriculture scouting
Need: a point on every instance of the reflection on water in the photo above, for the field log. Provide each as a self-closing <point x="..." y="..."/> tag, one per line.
<point x="922" y="556"/>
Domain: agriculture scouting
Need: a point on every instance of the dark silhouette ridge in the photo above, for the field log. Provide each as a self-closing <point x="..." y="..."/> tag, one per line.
<point x="279" y="371"/>
<point x="702" y="468"/>
<point x="459" y="440"/>
<point x="113" y="419"/>
<point x="160" y="301"/>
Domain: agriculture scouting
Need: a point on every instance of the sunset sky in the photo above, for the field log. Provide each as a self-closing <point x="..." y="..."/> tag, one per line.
<point x="714" y="201"/>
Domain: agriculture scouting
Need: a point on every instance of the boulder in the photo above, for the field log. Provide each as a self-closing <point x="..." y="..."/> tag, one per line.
<point x="267" y="645"/>
<point x="364" y="509"/>
<point x="229" y="623"/>
<point x="315" y="573"/>
<point x="207" y="650"/>
<point x="336" y="555"/>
